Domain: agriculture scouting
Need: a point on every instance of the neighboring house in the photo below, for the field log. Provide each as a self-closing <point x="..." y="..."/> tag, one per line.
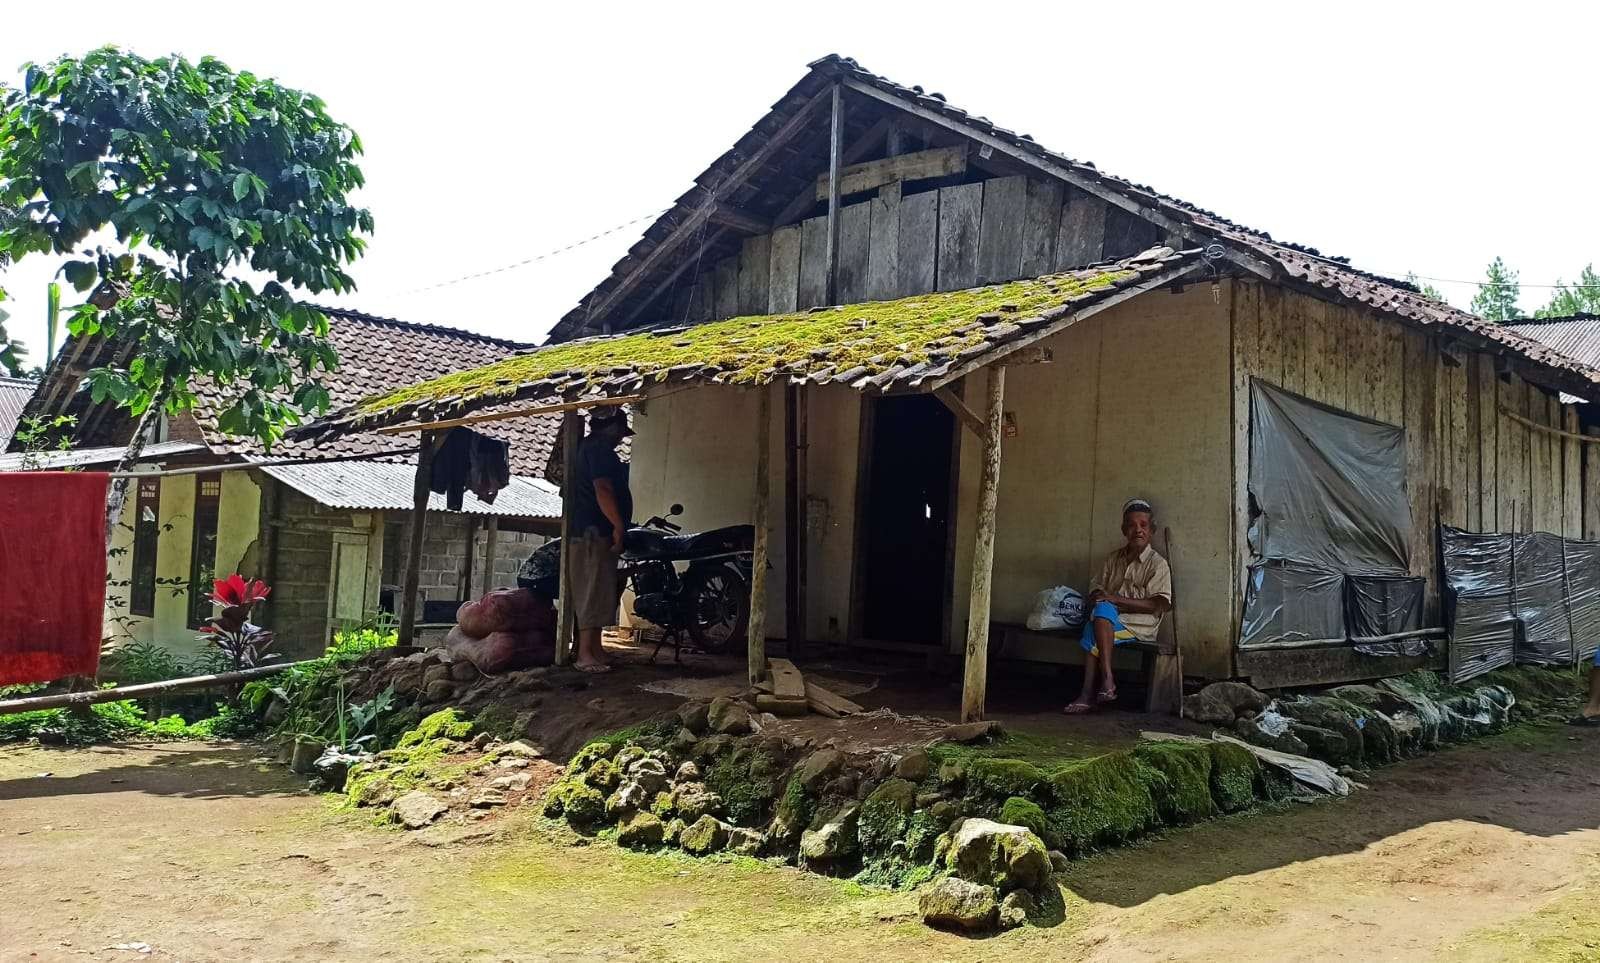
<point x="1156" y="359"/>
<point x="14" y="394"/>
<point x="328" y="537"/>
<point x="1577" y="335"/>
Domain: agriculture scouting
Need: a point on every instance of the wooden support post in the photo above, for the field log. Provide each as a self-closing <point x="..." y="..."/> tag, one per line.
<point x="464" y="583"/>
<point x="976" y="678"/>
<point x="490" y="534"/>
<point x="419" y="518"/>
<point x="566" y="636"/>
<point x="835" y="147"/>
<point x="757" y="640"/>
<point x="794" y="426"/>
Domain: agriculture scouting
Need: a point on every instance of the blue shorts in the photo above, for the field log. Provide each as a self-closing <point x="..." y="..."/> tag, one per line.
<point x="1119" y="633"/>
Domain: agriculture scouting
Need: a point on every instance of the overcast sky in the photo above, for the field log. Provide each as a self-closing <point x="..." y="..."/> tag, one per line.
<point x="1408" y="139"/>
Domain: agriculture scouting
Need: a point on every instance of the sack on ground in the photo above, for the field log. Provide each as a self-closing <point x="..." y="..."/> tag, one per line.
<point x="1056" y="608"/>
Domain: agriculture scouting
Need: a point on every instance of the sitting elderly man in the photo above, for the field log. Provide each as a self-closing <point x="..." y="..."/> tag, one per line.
<point x="1126" y="602"/>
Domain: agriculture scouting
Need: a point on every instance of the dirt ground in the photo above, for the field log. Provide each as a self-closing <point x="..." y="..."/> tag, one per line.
<point x="205" y="852"/>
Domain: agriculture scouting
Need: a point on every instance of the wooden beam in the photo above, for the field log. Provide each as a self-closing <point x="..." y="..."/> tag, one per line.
<point x="420" y="489"/>
<point x="1081" y="181"/>
<point x="963" y="414"/>
<point x="507" y="415"/>
<point x="835" y="145"/>
<point x="976" y="677"/>
<point x="490" y="535"/>
<point x="691" y="260"/>
<point x="807" y="198"/>
<point x="571" y="431"/>
<point x="920" y="166"/>
<point x="757" y="637"/>
<point x="464" y="583"/>
<point x="740" y="220"/>
<point x="687" y="227"/>
<point x="794" y="517"/>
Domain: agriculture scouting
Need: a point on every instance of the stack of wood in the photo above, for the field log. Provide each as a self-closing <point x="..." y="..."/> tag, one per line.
<point x="785" y="692"/>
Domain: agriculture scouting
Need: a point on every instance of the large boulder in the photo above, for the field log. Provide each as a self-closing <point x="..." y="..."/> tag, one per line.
<point x="833" y="843"/>
<point x="994" y="854"/>
<point x="705" y="835"/>
<point x="1333" y="715"/>
<point x="1325" y="744"/>
<point x="641" y="830"/>
<point x="958" y="904"/>
<point x="1220" y="703"/>
<point x="885" y="812"/>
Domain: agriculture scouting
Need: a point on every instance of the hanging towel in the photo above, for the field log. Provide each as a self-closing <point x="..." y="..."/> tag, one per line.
<point x="52" y="574"/>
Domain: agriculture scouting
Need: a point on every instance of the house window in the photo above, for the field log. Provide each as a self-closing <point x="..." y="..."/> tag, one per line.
<point x="203" y="554"/>
<point x="146" y="532"/>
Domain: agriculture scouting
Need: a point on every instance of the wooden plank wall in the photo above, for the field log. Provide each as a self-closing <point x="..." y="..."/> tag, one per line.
<point x="897" y="245"/>
<point x="1466" y="465"/>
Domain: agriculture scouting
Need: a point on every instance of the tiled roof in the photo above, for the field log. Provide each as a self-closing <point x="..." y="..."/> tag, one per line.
<point x="1252" y="249"/>
<point x="1577" y="336"/>
<point x="14" y="395"/>
<point x="913" y="343"/>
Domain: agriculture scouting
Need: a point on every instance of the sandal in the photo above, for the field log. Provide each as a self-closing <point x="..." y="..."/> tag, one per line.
<point x="1077" y="708"/>
<point x="1106" y="696"/>
<point x="596" y="669"/>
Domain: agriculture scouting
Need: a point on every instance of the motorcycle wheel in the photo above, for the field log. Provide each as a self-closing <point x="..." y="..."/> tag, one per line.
<point x="719" y="607"/>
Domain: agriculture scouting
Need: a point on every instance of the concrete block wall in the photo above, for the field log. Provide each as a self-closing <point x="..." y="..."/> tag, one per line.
<point x="444" y="550"/>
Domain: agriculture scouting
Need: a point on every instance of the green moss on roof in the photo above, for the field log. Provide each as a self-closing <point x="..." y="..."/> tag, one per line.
<point x="873" y="335"/>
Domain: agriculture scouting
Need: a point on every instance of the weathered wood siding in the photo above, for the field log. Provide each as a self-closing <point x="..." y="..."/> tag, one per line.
<point x="1466" y="464"/>
<point x="898" y="245"/>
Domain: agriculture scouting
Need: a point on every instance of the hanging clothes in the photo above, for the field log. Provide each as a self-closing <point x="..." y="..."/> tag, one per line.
<point x="52" y="574"/>
<point x="467" y="460"/>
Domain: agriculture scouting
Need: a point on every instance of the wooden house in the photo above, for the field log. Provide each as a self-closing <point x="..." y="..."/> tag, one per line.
<point x="1024" y="342"/>
<point x="327" y="528"/>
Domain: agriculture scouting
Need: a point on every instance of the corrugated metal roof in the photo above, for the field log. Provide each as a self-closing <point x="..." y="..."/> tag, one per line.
<point x="14" y="395"/>
<point x="379" y="486"/>
<point x="1577" y="336"/>
<point x="80" y="457"/>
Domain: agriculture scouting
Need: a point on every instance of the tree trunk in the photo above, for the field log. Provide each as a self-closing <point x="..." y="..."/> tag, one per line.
<point x="118" y="494"/>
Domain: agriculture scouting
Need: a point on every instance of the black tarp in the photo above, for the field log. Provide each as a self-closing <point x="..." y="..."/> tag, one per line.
<point x="1477" y="570"/>
<point x="1540" y="591"/>
<point x="1583" y="597"/>
<point x="1328" y="494"/>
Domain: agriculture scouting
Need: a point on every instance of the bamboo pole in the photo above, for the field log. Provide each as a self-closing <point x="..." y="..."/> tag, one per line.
<point x="976" y="679"/>
<point x="571" y="429"/>
<point x="63" y="700"/>
<point x="420" y="490"/>
<point x="757" y="638"/>
<point x="564" y="406"/>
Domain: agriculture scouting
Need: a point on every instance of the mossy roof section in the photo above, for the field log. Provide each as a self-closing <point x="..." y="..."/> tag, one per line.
<point x="884" y="344"/>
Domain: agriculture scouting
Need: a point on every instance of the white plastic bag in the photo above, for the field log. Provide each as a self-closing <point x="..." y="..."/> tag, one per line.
<point x="1055" y="609"/>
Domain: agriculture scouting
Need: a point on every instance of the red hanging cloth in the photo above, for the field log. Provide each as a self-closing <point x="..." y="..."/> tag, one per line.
<point x="52" y="574"/>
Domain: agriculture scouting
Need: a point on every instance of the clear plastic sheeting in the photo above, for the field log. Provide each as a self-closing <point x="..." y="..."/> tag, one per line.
<point x="1529" y="598"/>
<point x="1540" y="593"/>
<point x="1291" y="602"/>
<point x="1330" y="486"/>
<point x="1583" y="597"/>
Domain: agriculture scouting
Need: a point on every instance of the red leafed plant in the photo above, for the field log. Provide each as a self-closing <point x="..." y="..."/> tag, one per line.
<point x="241" y="640"/>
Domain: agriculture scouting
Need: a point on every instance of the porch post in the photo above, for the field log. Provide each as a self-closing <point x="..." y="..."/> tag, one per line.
<point x="976" y="678"/>
<point x="419" y="517"/>
<point x="757" y="639"/>
<point x="571" y="428"/>
<point x="835" y="150"/>
<point x="491" y="532"/>
<point x="794" y="519"/>
<point x="464" y="585"/>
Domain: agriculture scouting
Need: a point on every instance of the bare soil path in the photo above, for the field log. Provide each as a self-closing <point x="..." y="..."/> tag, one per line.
<point x="1485" y="852"/>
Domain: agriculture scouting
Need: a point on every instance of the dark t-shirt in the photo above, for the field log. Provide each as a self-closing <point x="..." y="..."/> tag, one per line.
<point x="596" y="459"/>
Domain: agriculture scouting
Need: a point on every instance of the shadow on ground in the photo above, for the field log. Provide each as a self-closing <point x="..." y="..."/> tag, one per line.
<point x="209" y="771"/>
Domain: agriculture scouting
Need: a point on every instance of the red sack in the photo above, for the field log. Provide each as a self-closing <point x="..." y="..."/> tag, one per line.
<point x="53" y="573"/>
<point x="503" y="610"/>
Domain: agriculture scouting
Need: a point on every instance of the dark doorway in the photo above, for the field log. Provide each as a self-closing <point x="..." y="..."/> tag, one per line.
<point x="907" y="522"/>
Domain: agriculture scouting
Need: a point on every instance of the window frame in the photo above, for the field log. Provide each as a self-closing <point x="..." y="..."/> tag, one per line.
<point x="145" y="553"/>
<point x="203" y="547"/>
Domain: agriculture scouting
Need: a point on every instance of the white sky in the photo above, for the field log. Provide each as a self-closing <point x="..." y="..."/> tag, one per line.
<point x="1405" y="136"/>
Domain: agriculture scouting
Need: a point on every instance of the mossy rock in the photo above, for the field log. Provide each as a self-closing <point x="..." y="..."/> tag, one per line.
<point x="1325" y="744"/>
<point x="589" y="754"/>
<point x="1342" y="717"/>
<point x="999" y="779"/>
<point x="603" y="774"/>
<point x="498" y="721"/>
<point x="747" y="781"/>
<point x="1235" y="777"/>
<point x="795" y="810"/>
<point x="444" y="724"/>
<point x="885" y="813"/>
<point x="1017" y="811"/>
<point x="1101" y="801"/>
<point x="922" y="832"/>
<point x="396" y="724"/>
<point x="1183" y="790"/>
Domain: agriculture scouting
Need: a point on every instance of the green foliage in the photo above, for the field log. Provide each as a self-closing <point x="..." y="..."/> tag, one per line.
<point x="202" y="173"/>
<point x="35" y="436"/>
<point x="353" y="641"/>
<point x="104" y="722"/>
<point x="1498" y="293"/>
<point x="421" y="756"/>
<point x="747" y="781"/>
<point x="1580" y="297"/>
<point x="870" y="335"/>
<point x="141" y="661"/>
<point x="1017" y="811"/>
<point x="1235" y="777"/>
<point x="444" y="724"/>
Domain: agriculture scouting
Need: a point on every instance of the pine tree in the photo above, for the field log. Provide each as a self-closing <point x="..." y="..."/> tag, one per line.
<point x="1497" y="296"/>
<point x="1580" y="297"/>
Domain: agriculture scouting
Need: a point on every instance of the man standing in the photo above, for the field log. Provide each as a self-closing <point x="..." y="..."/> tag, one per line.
<point x="602" y="510"/>
<point x="1126" y="602"/>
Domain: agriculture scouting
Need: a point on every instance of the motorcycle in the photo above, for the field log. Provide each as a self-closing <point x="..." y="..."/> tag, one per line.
<point x="708" y="600"/>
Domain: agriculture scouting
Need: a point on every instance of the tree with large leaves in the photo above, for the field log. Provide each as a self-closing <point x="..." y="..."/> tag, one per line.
<point x="11" y="352"/>
<point x="1498" y="293"/>
<point x="1580" y="297"/>
<point x="226" y="193"/>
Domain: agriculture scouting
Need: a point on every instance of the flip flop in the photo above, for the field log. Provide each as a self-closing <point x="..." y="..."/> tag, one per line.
<point x="1077" y="708"/>
<point x="1106" y="698"/>
<point x="593" y="669"/>
<point x="1584" y="721"/>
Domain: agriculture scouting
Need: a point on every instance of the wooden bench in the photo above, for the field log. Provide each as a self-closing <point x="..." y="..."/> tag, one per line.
<point x="1009" y="635"/>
